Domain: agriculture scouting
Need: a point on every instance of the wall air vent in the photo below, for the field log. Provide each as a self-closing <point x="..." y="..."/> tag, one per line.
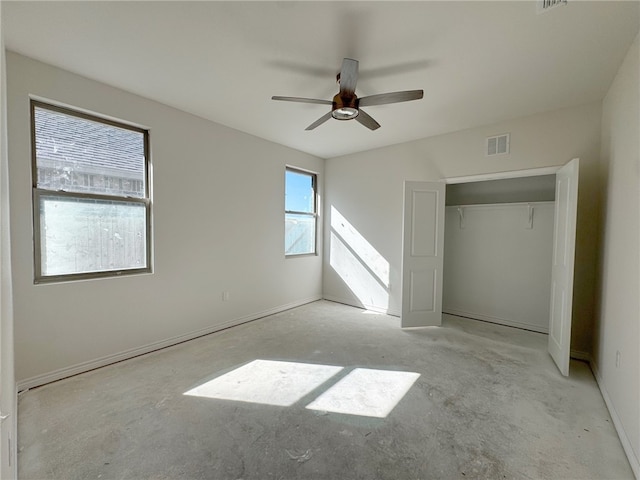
<point x="546" y="5"/>
<point x="498" y="145"/>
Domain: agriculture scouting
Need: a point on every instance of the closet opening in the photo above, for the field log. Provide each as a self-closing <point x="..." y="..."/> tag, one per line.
<point x="424" y="240"/>
<point x="498" y="246"/>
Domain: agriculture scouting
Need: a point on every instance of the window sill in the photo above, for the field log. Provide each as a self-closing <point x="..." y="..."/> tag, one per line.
<point x="298" y="255"/>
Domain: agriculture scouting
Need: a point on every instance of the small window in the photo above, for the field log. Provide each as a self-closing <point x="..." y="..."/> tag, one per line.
<point x="301" y="212"/>
<point x="91" y="205"/>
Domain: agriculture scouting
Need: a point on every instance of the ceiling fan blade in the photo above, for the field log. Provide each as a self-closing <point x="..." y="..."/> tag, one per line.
<point x="320" y="121"/>
<point x="302" y="100"/>
<point x="348" y="77"/>
<point x="393" y="97"/>
<point x="367" y="121"/>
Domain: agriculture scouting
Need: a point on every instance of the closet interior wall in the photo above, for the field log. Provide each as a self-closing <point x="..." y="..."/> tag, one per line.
<point x="498" y="251"/>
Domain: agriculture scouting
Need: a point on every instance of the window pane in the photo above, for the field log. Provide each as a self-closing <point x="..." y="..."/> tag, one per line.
<point x="84" y="235"/>
<point x="299" y="234"/>
<point x="80" y="155"/>
<point x="299" y="194"/>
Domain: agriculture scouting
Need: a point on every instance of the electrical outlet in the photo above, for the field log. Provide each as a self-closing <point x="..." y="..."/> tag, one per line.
<point x="617" y="358"/>
<point x="225" y="296"/>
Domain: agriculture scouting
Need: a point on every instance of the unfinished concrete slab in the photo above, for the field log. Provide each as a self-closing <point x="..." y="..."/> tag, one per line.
<point x="466" y="400"/>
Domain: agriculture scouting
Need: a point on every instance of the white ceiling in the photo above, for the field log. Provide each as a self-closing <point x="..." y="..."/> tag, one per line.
<point x="478" y="62"/>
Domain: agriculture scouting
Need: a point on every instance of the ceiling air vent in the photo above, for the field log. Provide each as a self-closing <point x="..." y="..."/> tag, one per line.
<point x="546" y="5"/>
<point x="498" y="145"/>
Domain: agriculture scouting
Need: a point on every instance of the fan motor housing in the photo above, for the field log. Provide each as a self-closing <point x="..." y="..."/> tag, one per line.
<point x="345" y="107"/>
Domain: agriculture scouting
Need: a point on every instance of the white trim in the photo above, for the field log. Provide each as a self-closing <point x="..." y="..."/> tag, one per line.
<point x="14" y="434"/>
<point x="372" y="308"/>
<point x="55" y="375"/>
<point x="617" y="423"/>
<point x="491" y="319"/>
<point x="533" y="172"/>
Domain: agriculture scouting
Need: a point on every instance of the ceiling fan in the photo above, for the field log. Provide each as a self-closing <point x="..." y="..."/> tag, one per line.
<point x="346" y="104"/>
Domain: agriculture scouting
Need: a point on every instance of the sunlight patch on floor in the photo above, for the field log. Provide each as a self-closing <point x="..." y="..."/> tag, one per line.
<point x="366" y="392"/>
<point x="267" y="382"/>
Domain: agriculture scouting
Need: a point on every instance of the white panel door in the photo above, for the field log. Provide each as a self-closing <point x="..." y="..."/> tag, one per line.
<point x="422" y="254"/>
<point x="564" y="241"/>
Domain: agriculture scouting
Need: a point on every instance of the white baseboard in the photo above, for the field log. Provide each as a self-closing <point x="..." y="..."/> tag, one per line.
<point x="617" y="423"/>
<point x="55" y="375"/>
<point x="373" y="308"/>
<point x="491" y="319"/>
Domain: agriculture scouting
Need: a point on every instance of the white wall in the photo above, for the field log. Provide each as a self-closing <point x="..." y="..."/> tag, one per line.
<point x="618" y="318"/>
<point x="366" y="189"/>
<point x="218" y="223"/>
<point x="497" y="266"/>
<point x="8" y="400"/>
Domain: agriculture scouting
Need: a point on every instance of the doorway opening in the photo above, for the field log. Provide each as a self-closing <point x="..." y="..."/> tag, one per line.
<point x="423" y="241"/>
<point x="498" y="247"/>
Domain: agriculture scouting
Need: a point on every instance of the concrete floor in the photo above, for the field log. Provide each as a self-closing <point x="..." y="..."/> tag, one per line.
<point x="488" y="404"/>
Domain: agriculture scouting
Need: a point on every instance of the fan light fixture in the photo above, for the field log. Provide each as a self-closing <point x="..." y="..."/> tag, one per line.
<point x="346" y="104"/>
<point x="344" y="113"/>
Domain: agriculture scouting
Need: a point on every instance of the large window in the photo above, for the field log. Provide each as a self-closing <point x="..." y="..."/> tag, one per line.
<point x="301" y="212"/>
<point x="91" y="208"/>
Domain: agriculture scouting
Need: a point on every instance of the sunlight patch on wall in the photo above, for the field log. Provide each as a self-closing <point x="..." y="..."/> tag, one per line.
<point x="358" y="263"/>
<point x="366" y="392"/>
<point x="267" y="382"/>
<point x="361" y="248"/>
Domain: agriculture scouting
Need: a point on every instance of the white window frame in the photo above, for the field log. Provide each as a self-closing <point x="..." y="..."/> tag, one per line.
<point x="39" y="193"/>
<point x="314" y="214"/>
